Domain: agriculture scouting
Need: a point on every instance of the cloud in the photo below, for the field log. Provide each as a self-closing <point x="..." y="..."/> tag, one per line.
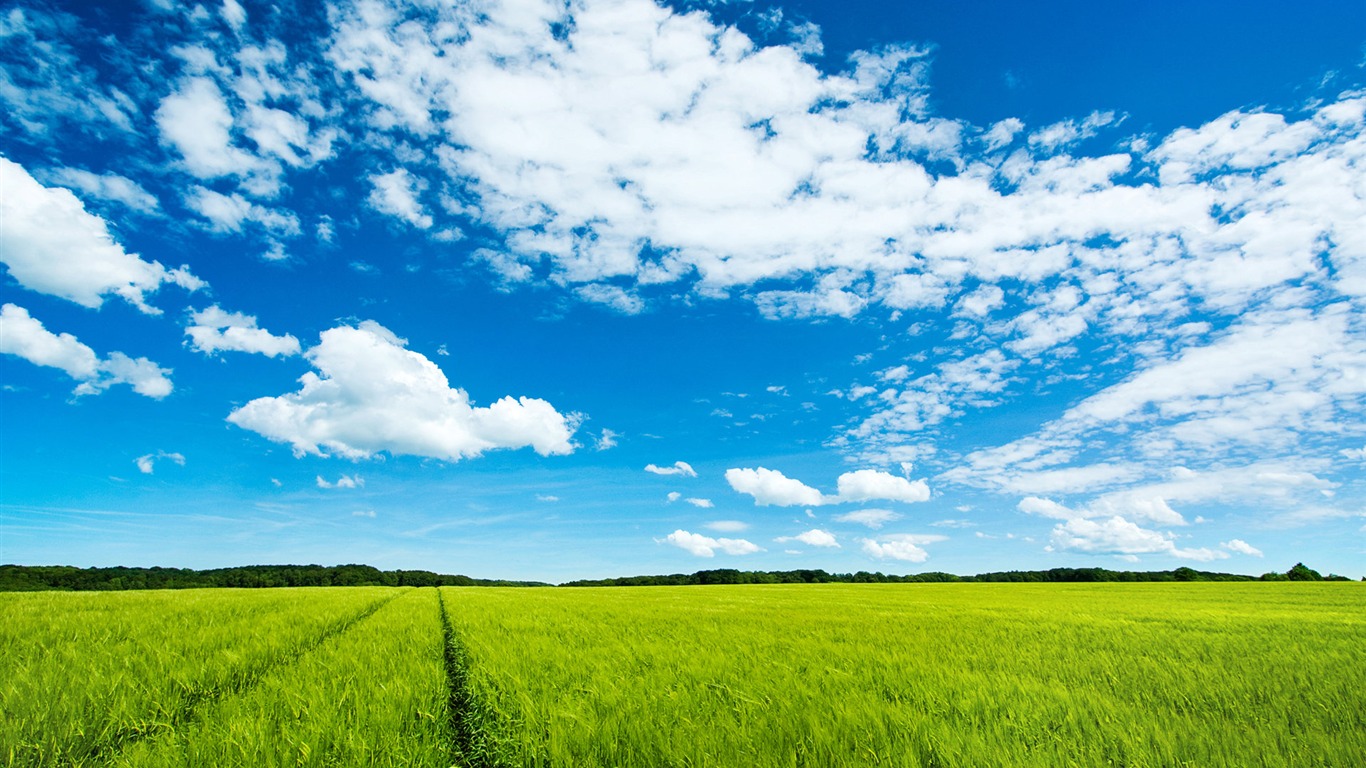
<point x="814" y="538"/>
<point x="706" y="546"/>
<point x="52" y="245"/>
<point x="607" y="440"/>
<point x="873" y="518"/>
<point x="547" y="498"/>
<point x="214" y="330"/>
<point x="24" y="336"/>
<point x="901" y="546"/>
<point x="1118" y="536"/>
<point x="870" y="484"/>
<point x="147" y="463"/>
<point x="395" y="193"/>
<point x="345" y="481"/>
<point x="771" y="487"/>
<point x="110" y="187"/>
<point x="696" y="502"/>
<point x="231" y="213"/>
<point x="371" y="395"/>
<point x="196" y="121"/>
<point x="1241" y="547"/>
<point x="678" y="468"/>
<point x="726" y="526"/>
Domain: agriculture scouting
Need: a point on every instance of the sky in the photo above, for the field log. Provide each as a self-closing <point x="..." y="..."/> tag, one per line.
<point x="545" y="290"/>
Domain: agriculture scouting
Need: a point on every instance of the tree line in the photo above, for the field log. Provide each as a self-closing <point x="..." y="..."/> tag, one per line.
<point x="64" y="577"/>
<point x="15" y="578"/>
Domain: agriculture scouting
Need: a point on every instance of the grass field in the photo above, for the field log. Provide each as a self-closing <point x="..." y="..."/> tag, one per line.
<point x="785" y="675"/>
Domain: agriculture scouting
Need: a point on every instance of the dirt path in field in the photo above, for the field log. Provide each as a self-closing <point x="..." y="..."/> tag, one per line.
<point x="468" y="723"/>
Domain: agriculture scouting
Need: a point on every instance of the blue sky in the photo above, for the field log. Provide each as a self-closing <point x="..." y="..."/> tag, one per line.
<point x="550" y="291"/>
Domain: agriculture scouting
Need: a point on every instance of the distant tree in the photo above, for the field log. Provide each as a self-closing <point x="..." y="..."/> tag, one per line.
<point x="1302" y="572"/>
<point x="1186" y="574"/>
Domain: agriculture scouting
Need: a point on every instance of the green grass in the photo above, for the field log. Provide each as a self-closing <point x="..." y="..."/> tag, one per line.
<point x="784" y="675"/>
<point x="374" y="696"/>
<point x="83" y="674"/>
<point x="920" y="675"/>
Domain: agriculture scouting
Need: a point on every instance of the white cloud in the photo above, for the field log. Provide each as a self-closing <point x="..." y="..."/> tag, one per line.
<point x="1358" y="454"/>
<point x="147" y="463"/>
<point x="231" y="213"/>
<point x="726" y="526"/>
<point x="696" y="502"/>
<point x="706" y="546"/>
<point x="214" y="330"/>
<point x="196" y="120"/>
<point x="1241" y="547"/>
<point x="345" y="481"/>
<point x="547" y="498"/>
<point x="1118" y="536"/>
<point x="372" y="395"/>
<point x="363" y="513"/>
<point x="607" y="440"/>
<point x="870" y="484"/>
<point x="771" y="487"/>
<point x="110" y="186"/>
<point x="22" y="335"/>
<point x="395" y="193"/>
<point x="52" y="245"/>
<point x="902" y="546"/>
<point x="873" y="518"/>
<point x="814" y="538"/>
<point x="26" y="337"/>
<point x="678" y="468"/>
<point x="144" y="376"/>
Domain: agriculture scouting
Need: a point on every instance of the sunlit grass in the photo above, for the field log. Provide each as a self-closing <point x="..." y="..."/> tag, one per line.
<point x="912" y="675"/>
<point x="83" y="674"/>
<point x="1194" y="674"/>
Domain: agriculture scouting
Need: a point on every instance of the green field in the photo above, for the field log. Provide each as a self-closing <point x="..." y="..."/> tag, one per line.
<point x="1198" y="674"/>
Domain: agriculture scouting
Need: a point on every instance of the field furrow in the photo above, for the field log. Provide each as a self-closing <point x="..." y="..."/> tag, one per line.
<point x="918" y="675"/>
<point x="373" y="695"/>
<point x="85" y="675"/>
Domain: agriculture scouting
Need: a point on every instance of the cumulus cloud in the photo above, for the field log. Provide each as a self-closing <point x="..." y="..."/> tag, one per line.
<point x="873" y="518"/>
<point x="371" y="394"/>
<point x="345" y="481"/>
<point x="215" y="330"/>
<point x="706" y="546"/>
<point x="871" y="484"/>
<point x="52" y="245"/>
<point x="771" y="487"/>
<point x="395" y="193"/>
<point x="24" y="336"/>
<point x="1118" y="536"/>
<point x="908" y="547"/>
<point x="147" y="463"/>
<point x="679" y="468"/>
<point x="1241" y="547"/>
<point x="814" y="538"/>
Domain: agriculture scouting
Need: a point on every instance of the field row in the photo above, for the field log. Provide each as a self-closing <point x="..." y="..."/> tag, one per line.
<point x="818" y="675"/>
